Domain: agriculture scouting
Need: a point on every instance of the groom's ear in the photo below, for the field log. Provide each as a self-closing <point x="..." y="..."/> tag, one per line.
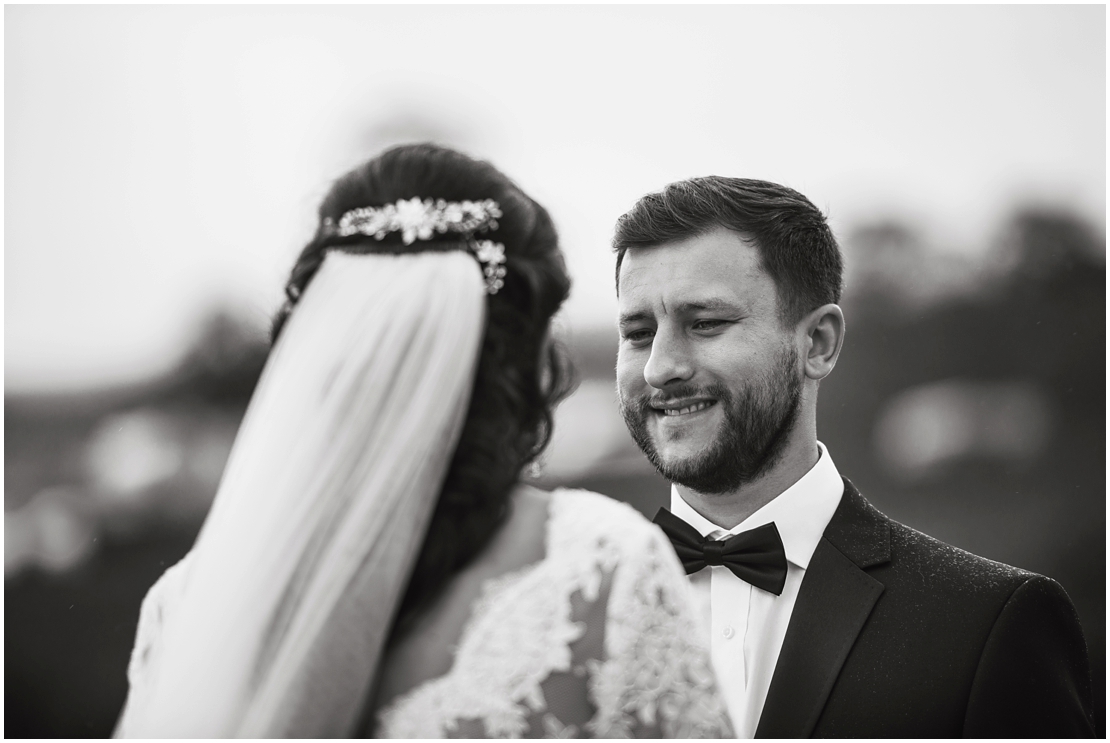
<point x="824" y="336"/>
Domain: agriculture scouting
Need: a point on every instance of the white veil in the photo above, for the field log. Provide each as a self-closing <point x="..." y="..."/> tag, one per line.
<point x="288" y="594"/>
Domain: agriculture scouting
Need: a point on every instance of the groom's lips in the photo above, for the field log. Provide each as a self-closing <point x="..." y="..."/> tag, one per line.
<point x="679" y="408"/>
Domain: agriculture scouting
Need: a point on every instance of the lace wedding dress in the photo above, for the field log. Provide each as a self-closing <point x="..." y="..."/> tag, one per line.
<point x="594" y="640"/>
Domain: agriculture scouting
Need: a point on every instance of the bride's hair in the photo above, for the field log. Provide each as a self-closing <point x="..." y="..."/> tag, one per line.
<point x="518" y="379"/>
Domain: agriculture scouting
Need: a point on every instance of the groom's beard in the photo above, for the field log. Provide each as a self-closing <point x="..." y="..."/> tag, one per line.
<point x="753" y="436"/>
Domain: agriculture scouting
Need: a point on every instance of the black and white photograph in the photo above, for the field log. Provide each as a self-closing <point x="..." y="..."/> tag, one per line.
<point x="555" y="371"/>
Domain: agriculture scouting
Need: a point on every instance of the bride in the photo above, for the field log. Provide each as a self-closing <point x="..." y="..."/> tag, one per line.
<point x="372" y="564"/>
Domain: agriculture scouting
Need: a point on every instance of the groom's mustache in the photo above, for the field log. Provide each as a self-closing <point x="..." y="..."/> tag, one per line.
<point x="683" y="394"/>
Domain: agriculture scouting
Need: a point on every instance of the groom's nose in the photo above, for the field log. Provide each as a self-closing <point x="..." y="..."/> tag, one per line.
<point x="669" y="362"/>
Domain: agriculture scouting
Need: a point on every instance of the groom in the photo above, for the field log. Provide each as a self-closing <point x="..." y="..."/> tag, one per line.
<point x="825" y="617"/>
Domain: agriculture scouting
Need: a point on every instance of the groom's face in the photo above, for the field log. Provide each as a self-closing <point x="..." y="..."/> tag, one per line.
<point x="708" y="375"/>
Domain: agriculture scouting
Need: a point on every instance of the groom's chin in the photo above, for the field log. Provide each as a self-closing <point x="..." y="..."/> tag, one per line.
<point x="680" y="442"/>
<point x="674" y="453"/>
<point x="674" y="462"/>
<point x="678" y="459"/>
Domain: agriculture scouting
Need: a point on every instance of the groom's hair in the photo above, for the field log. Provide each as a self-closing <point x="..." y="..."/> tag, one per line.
<point x="795" y="244"/>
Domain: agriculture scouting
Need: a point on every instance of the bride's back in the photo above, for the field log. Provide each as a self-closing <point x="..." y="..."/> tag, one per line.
<point x="427" y="650"/>
<point x="573" y="622"/>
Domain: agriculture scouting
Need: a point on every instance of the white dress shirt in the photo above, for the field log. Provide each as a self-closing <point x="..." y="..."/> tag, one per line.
<point x="746" y="624"/>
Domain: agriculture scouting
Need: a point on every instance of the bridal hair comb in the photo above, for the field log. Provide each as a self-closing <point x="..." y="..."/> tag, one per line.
<point x="418" y="219"/>
<point x="492" y="257"/>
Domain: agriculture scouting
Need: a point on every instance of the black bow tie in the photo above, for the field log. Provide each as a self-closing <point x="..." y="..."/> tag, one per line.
<point x="756" y="556"/>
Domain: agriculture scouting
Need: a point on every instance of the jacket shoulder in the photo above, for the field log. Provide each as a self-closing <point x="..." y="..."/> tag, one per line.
<point x="894" y="551"/>
<point x="1033" y="678"/>
<point x="911" y="549"/>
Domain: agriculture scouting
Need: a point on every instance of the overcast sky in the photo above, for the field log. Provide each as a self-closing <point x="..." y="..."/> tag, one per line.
<point x="161" y="160"/>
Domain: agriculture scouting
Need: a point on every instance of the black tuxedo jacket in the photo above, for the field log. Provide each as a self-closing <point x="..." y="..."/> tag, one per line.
<point x="895" y="634"/>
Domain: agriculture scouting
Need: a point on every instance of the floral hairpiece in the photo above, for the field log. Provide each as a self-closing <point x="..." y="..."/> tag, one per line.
<point x="418" y="219"/>
<point x="492" y="257"/>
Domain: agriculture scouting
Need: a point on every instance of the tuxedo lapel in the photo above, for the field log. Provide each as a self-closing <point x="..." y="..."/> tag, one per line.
<point x="835" y="599"/>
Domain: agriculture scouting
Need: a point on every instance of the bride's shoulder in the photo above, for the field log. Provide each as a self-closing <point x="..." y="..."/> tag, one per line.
<point x="586" y="516"/>
<point x="595" y="505"/>
<point x="596" y="508"/>
<point x="573" y="531"/>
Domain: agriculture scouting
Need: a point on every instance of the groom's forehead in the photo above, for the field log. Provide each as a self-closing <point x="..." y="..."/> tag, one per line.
<point x="701" y="270"/>
<point x="719" y="251"/>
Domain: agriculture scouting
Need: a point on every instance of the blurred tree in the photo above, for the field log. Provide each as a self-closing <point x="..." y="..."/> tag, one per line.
<point x="224" y="363"/>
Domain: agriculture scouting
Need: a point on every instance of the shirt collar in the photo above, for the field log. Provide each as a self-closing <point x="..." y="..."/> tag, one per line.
<point x="801" y="512"/>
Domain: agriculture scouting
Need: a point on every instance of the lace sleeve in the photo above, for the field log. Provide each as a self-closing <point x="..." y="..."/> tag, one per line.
<point x="656" y="679"/>
<point x="638" y="668"/>
<point x="596" y="640"/>
<point x="157" y="604"/>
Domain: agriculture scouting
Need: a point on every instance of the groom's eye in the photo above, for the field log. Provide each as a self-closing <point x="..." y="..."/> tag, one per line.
<point x="708" y="324"/>
<point x="639" y="336"/>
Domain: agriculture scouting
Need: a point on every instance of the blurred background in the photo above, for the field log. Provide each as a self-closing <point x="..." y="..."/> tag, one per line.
<point x="162" y="167"/>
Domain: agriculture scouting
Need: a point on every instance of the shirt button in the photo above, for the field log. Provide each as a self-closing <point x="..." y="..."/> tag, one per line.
<point x="728" y="632"/>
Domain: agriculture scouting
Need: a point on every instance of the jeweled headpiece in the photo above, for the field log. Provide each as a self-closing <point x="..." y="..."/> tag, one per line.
<point x="418" y="219"/>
